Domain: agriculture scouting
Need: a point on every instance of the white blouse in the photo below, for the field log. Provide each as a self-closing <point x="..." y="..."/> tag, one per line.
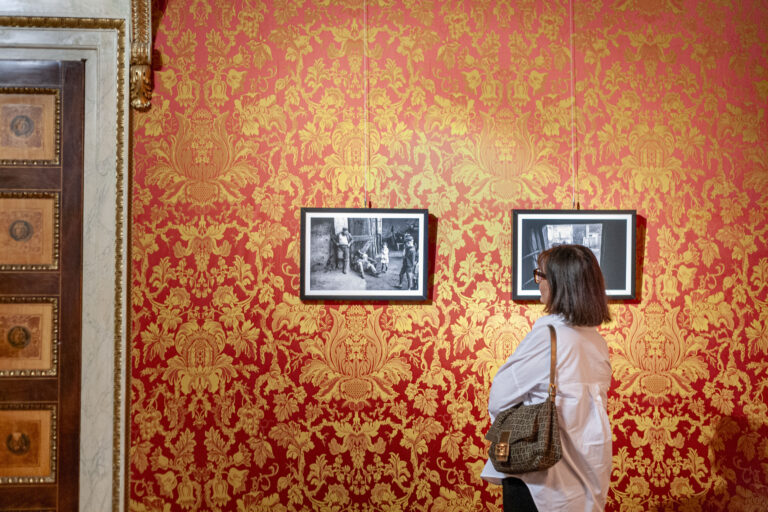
<point x="580" y="480"/>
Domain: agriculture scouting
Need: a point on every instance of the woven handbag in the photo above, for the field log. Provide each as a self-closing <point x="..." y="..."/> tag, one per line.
<point x="526" y="438"/>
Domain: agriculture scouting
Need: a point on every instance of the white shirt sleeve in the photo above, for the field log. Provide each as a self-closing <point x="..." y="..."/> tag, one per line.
<point x="524" y="372"/>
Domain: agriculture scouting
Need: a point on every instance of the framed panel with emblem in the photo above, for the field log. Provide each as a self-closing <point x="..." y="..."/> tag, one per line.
<point x="29" y="126"/>
<point x="29" y="231"/>
<point x="27" y="444"/>
<point x="28" y="334"/>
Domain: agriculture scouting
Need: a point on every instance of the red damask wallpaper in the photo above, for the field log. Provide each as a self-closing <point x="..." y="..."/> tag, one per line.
<point x="244" y="398"/>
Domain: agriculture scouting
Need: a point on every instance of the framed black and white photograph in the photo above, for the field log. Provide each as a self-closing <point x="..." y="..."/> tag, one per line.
<point x="610" y="234"/>
<point x="364" y="254"/>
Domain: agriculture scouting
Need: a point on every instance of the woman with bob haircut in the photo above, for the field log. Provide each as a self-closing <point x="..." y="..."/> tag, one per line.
<point x="573" y="293"/>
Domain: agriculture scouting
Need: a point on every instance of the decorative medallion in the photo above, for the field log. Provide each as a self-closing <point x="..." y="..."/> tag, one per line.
<point x="18" y="443"/>
<point x="19" y="336"/>
<point x="30" y="120"/>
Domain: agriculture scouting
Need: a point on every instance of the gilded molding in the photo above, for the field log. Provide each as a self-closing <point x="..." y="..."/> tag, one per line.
<point x="141" y="53"/>
<point x="46" y="22"/>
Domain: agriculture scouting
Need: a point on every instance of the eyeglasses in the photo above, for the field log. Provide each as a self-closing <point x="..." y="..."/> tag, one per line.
<point x="538" y="275"/>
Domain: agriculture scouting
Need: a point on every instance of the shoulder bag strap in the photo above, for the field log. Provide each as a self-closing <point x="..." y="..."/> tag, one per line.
<point x="552" y="362"/>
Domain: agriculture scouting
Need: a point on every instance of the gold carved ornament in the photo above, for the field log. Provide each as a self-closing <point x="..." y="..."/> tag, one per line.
<point x="141" y="54"/>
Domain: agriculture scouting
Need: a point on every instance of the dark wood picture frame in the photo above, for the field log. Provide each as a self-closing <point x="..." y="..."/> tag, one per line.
<point x="611" y="234"/>
<point x="383" y="255"/>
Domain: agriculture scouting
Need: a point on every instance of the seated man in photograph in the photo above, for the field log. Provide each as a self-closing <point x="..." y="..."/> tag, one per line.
<point x="364" y="263"/>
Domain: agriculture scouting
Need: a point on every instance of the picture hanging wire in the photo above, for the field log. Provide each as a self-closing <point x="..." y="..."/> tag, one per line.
<point x="366" y="134"/>
<point x="574" y="169"/>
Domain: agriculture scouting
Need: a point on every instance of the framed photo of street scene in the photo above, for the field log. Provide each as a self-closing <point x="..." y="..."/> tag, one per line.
<point x="364" y="254"/>
<point x="610" y="234"/>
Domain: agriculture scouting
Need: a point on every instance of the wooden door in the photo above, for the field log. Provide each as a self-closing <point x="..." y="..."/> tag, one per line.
<point x="41" y="217"/>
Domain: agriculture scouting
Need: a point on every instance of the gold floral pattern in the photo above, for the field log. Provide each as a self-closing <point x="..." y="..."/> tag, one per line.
<point x="244" y="398"/>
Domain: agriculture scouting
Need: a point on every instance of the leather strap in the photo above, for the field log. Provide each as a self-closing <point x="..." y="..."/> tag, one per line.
<point x="552" y="362"/>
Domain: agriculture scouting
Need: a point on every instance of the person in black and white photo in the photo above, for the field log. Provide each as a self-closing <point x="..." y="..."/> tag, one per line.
<point x="343" y="241"/>
<point x="363" y="263"/>
<point x="409" y="263"/>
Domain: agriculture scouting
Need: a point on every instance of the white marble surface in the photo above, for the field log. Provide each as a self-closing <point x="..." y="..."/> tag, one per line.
<point x="103" y="375"/>
<point x="67" y="8"/>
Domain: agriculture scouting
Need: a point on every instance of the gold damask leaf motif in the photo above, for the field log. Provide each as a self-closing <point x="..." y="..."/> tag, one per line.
<point x="461" y="414"/>
<point x="651" y="166"/>
<point x="658" y="433"/>
<point x="358" y="361"/>
<point x="398" y="139"/>
<point x="292" y="437"/>
<point x="747" y="444"/>
<point x="423" y="399"/>
<point x="406" y="316"/>
<point x="170" y="312"/>
<point x="345" y="166"/>
<point x="501" y="334"/>
<point x="259" y="113"/>
<point x="462" y="498"/>
<point x="423" y="431"/>
<point x="292" y="312"/>
<point x="466" y="333"/>
<point x="139" y="455"/>
<point x="258" y="502"/>
<point x="397" y="469"/>
<point x="156" y="342"/>
<point x="357" y="438"/>
<point x="167" y="482"/>
<point x="217" y="447"/>
<point x="183" y="450"/>
<point x="313" y="140"/>
<point x="757" y="333"/>
<point x="741" y="243"/>
<point x="708" y="310"/>
<point x="244" y="339"/>
<point x="200" y="364"/>
<point x="261" y="450"/>
<point x="202" y="242"/>
<point x="657" y="359"/>
<point x="735" y="121"/>
<point x="156" y="120"/>
<point x="263" y="240"/>
<point x="450" y="114"/>
<point x="504" y="163"/>
<point x="710" y="251"/>
<point x="350" y="45"/>
<point x="202" y="163"/>
<point x="414" y="43"/>
<point x="319" y="471"/>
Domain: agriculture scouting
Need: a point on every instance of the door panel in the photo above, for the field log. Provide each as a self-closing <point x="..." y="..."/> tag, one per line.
<point x="41" y="203"/>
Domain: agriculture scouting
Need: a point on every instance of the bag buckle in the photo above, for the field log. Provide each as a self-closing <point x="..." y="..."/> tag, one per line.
<point x="501" y="451"/>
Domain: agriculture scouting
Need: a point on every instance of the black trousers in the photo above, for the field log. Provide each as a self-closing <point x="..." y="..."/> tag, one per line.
<point x="517" y="497"/>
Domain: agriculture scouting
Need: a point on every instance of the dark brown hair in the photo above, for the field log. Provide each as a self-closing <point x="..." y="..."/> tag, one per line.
<point x="576" y="285"/>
